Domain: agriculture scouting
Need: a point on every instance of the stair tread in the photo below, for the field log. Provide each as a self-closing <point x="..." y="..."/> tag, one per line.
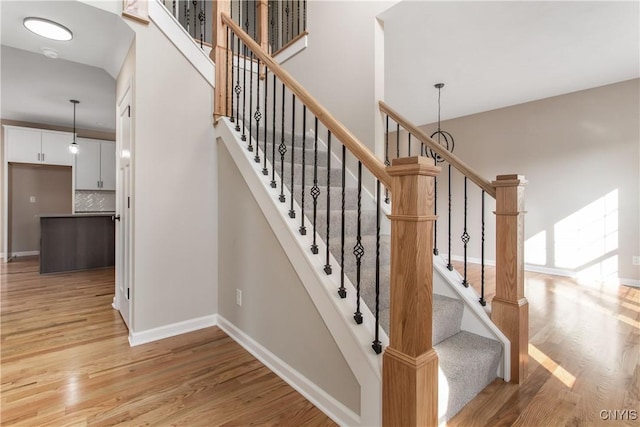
<point x="469" y="363"/>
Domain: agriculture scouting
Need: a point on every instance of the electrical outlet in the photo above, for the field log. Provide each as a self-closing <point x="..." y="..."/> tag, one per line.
<point x="636" y="260"/>
<point x="32" y="199"/>
<point x="239" y="297"/>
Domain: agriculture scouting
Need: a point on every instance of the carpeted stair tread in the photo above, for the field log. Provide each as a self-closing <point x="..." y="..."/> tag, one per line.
<point x="367" y="223"/>
<point x="447" y="317"/>
<point x="469" y="363"/>
<point x="350" y="198"/>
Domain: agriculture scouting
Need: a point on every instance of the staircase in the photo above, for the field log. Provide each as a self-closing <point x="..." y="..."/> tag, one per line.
<point x="468" y="362"/>
<point x="323" y="205"/>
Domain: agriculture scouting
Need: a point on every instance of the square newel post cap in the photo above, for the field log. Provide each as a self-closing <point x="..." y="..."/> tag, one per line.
<point x="512" y="180"/>
<point x="416" y="165"/>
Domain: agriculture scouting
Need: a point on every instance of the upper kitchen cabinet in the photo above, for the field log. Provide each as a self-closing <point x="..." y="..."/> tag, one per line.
<point x="95" y="165"/>
<point x="26" y="145"/>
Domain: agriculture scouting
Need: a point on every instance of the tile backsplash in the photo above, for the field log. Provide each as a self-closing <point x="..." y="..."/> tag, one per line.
<point x="95" y="201"/>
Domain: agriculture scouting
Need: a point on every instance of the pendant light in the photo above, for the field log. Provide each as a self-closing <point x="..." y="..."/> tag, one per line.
<point x="442" y="137"/>
<point x="73" y="147"/>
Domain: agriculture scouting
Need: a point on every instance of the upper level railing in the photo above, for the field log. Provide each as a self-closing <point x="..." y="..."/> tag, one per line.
<point x="195" y="16"/>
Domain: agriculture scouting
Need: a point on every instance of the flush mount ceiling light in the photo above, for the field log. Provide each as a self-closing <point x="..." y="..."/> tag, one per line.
<point x="48" y="29"/>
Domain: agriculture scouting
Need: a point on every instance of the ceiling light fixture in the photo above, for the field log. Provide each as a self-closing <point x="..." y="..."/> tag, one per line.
<point x="47" y="29"/>
<point x="73" y="147"/>
<point x="444" y="138"/>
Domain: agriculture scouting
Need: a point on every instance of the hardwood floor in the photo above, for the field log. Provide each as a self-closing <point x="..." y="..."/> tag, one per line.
<point x="584" y="358"/>
<point x="65" y="360"/>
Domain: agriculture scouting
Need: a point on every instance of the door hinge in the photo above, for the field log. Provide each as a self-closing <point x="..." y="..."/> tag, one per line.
<point x="128" y="202"/>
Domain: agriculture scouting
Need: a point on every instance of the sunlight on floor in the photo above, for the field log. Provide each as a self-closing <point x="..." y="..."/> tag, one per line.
<point x="558" y="371"/>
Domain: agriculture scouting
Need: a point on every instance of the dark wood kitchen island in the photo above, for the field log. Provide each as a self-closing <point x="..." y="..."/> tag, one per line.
<point x="73" y="242"/>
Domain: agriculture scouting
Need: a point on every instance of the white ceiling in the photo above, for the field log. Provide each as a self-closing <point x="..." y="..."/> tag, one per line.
<point x="496" y="54"/>
<point x="38" y="89"/>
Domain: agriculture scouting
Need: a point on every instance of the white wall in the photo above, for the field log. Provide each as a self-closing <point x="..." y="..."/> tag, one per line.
<point x="175" y="188"/>
<point x="276" y="310"/>
<point x="338" y="66"/>
<point x="580" y="153"/>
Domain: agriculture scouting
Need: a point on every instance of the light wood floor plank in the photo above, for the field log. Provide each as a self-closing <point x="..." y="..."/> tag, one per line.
<point x="66" y="360"/>
<point x="584" y="356"/>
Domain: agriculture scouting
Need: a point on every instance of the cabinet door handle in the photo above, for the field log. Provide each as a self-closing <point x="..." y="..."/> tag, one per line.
<point x="38" y="156"/>
<point x="43" y="157"/>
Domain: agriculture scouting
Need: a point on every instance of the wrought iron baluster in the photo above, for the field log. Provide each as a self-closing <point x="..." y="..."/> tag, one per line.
<point x="397" y="141"/>
<point x="282" y="149"/>
<point x="238" y="88"/>
<point x="449" y="265"/>
<point x="186" y="15"/>
<point x="315" y="191"/>
<point x="226" y="79"/>
<point x="273" y="137"/>
<point x="303" y="229"/>
<point x="286" y="12"/>
<point x="465" y="236"/>
<point x="435" y="212"/>
<point x="482" y="300"/>
<point x="195" y="16"/>
<point x="201" y="18"/>
<point x="358" y="249"/>
<point x="376" y="345"/>
<point x="327" y="265"/>
<point x="342" y="291"/>
<point x="409" y="151"/>
<point x="304" y="15"/>
<point x="292" y="212"/>
<point x="244" y="84"/>
<point x="298" y="16"/>
<point x="265" y="171"/>
<point x="386" y="157"/>
<point x="258" y="114"/>
<point x="249" y="119"/>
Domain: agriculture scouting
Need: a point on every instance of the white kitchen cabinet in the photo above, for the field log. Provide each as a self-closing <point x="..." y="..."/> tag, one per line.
<point x="95" y="165"/>
<point x="108" y="165"/>
<point x="55" y="148"/>
<point x="26" y="145"/>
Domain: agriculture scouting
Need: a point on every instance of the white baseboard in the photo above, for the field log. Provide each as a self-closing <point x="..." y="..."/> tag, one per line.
<point x="630" y="282"/>
<point x="167" y="331"/>
<point x="545" y="270"/>
<point x="320" y="398"/>
<point x="25" y="253"/>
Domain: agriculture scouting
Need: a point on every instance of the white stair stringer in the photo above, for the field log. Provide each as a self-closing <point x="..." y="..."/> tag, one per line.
<point x="182" y="40"/>
<point x="354" y="341"/>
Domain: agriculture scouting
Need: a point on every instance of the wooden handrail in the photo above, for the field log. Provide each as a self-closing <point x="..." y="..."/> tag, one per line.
<point x="441" y="151"/>
<point x="353" y="144"/>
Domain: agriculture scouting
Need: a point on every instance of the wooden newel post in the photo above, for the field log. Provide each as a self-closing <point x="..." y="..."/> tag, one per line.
<point x="509" y="308"/>
<point x="220" y="57"/>
<point x="410" y="364"/>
